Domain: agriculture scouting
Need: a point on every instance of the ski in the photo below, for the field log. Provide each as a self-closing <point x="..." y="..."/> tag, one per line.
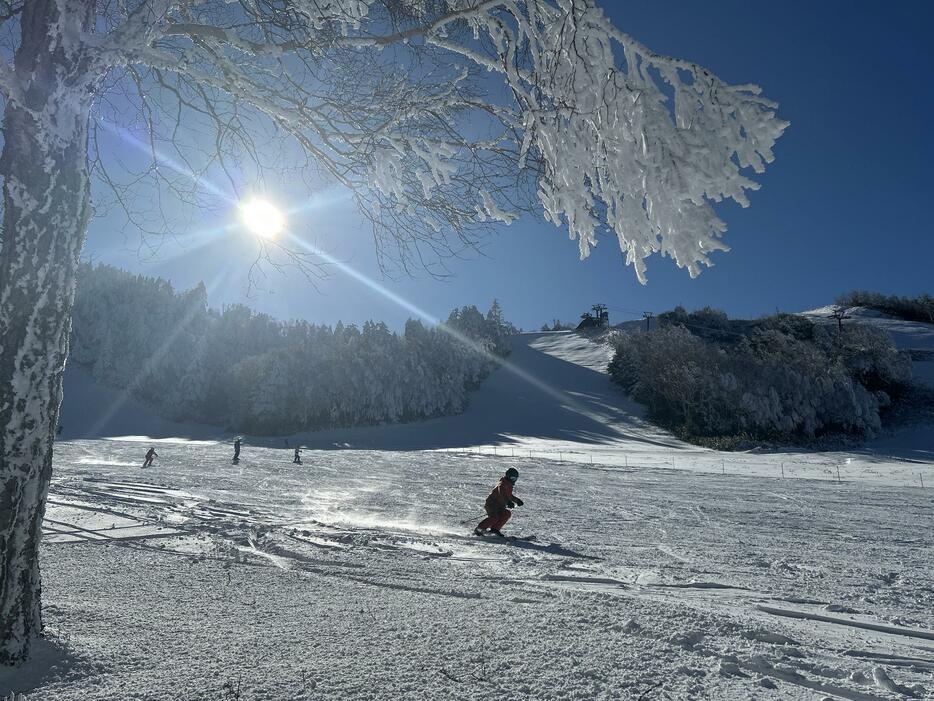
<point x="493" y="538"/>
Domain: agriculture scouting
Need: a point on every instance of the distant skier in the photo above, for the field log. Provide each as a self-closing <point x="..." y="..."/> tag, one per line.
<point x="499" y="503"/>
<point x="150" y="454"/>
<point x="297" y="460"/>
<point x="236" y="457"/>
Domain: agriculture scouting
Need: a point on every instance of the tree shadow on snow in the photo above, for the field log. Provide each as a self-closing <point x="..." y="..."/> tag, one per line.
<point x="905" y="444"/>
<point x="91" y="410"/>
<point x="50" y="662"/>
<point x="534" y="395"/>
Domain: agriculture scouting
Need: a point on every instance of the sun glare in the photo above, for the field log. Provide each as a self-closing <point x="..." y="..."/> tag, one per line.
<point x="262" y="218"/>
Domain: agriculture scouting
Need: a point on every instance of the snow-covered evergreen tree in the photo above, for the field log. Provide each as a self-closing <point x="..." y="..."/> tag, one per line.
<point x="251" y="373"/>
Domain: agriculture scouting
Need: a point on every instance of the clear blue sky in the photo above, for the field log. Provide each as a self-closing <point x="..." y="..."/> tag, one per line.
<point x="847" y="203"/>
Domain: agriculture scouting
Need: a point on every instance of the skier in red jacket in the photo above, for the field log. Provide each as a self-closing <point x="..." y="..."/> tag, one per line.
<point x="499" y="503"/>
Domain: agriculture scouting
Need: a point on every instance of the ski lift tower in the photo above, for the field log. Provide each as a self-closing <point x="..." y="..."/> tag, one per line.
<point x="601" y="315"/>
<point x="839" y="313"/>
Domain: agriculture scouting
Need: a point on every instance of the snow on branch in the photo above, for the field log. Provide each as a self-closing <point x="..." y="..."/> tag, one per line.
<point x="644" y="144"/>
<point x="9" y="87"/>
<point x="393" y="99"/>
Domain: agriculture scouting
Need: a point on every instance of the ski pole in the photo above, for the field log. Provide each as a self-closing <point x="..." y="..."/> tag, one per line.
<point x="472" y="520"/>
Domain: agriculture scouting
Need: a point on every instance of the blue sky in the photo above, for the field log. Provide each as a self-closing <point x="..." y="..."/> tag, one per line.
<point x="846" y="204"/>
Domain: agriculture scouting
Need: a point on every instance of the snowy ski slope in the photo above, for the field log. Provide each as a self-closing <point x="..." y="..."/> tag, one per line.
<point x="354" y="576"/>
<point x="553" y="400"/>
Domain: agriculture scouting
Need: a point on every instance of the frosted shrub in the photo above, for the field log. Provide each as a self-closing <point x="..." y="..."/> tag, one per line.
<point x="778" y="378"/>
<point x="871" y="358"/>
<point x="709" y="317"/>
<point x="707" y="322"/>
<point x="920" y="308"/>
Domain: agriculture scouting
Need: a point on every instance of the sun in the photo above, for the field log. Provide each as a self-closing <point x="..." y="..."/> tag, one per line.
<point x="262" y="218"/>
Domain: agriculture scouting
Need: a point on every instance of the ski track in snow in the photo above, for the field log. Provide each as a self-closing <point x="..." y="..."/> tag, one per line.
<point x="355" y="575"/>
<point x="364" y="582"/>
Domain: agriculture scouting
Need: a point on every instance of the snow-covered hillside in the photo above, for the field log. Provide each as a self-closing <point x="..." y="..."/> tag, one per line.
<point x="552" y="399"/>
<point x="908" y="335"/>
<point x="660" y="570"/>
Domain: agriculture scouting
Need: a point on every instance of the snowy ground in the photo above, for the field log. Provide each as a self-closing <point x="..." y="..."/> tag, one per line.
<point x="354" y="576"/>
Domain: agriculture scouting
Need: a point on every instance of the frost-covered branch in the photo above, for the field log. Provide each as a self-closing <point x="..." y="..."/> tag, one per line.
<point x="615" y="147"/>
<point x="392" y="99"/>
<point x="132" y="28"/>
<point x="643" y="145"/>
<point x="9" y="87"/>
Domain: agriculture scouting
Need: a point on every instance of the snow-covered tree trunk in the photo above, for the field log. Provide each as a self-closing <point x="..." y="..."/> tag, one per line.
<point x="46" y="207"/>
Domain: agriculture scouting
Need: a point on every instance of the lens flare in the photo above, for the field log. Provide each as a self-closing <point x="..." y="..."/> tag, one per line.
<point x="262" y="218"/>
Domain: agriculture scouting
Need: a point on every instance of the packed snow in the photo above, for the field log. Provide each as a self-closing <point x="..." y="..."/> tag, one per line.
<point x="658" y="569"/>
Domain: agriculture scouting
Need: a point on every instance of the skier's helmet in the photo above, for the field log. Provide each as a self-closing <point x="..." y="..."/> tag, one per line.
<point x="512" y="474"/>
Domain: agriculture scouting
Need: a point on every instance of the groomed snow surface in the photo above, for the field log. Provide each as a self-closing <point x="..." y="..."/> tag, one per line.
<point x="660" y="570"/>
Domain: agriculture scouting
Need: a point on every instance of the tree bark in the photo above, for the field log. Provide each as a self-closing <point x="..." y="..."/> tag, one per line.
<point x="46" y="206"/>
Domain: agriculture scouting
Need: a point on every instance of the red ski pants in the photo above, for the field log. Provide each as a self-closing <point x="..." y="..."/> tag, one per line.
<point x="495" y="520"/>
